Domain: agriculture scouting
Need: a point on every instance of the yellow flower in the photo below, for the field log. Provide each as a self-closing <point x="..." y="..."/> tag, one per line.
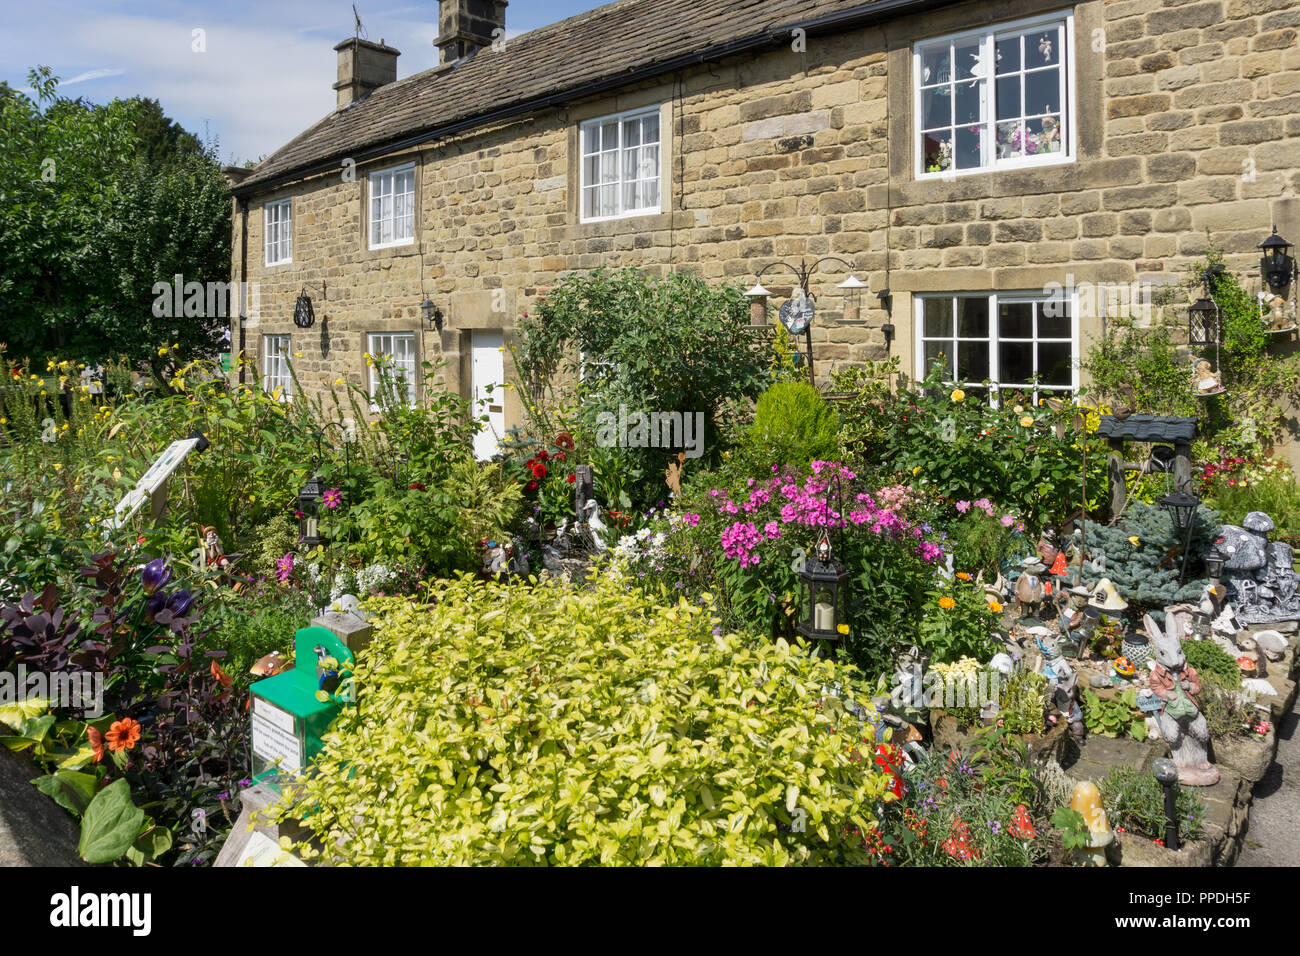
<point x="1027" y="421"/>
<point x="916" y="470"/>
<point x="947" y="603"/>
<point x="963" y="576"/>
<point x="843" y="629"/>
<point x="957" y="395"/>
<point x="1019" y="409"/>
<point x="339" y="381"/>
<point x="1134" y="540"/>
<point x="995" y="607"/>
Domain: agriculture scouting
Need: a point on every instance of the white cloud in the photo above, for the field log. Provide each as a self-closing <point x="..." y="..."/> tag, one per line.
<point x="91" y="75"/>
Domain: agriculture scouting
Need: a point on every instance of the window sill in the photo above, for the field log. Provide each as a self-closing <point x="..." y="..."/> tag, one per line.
<point x="621" y="225"/>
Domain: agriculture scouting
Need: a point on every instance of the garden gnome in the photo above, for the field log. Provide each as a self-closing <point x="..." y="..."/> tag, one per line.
<point x="1029" y="589"/>
<point x="1181" y="722"/>
<point x="1086" y="801"/>
<point x="213" y="550"/>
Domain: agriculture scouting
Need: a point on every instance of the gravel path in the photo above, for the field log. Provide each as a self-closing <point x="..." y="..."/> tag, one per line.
<point x="1273" y="838"/>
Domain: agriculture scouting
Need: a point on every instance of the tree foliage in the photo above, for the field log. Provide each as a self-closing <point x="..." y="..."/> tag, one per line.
<point x="97" y="205"/>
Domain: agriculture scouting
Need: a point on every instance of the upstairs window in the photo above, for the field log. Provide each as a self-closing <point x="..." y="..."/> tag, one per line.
<point x="620" y="165"/>
<point x="994" y="99"/>
<point x="397" y="352"/>
<point x="392" y="207"/>
<point x="279" y="232"/>
<point x="276" y="380"/>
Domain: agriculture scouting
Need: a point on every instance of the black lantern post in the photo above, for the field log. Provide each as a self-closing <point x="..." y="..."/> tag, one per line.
<point x="797" y="314"/>
<point x="1182" y="511"/>
<point x="309" y="499"/>
<point x="822" y="594"/>
<point x="1277" y="266"/>
<point x="1166" y="774"/>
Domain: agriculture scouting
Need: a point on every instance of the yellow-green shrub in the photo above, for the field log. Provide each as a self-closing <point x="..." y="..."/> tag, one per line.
<point x="508" y="724"/>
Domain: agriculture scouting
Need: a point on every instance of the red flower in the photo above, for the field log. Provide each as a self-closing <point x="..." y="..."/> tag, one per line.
<point x="543" y="455"/>
<point x="538" y="470"/>
<point x="416" y="486"/>
<point x="571" y="479"/>
<point x="560" y="456"/>
<point x="531" y="486"/>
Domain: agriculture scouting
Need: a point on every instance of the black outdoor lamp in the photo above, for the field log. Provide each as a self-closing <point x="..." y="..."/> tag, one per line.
<point x="1277" y="266"/>
<point x="309" y="513"/>
<point x="1214" y="562"/>
<point x="1182" y="511"/>
<point x="821" y="595"/>
<point x="1203" y="323"/>
<point x="432" y="314"/>
<point x="1166" y="774"/>
<point x="303" y="314"/>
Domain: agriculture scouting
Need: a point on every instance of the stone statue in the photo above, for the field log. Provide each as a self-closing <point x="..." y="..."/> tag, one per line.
<point x="1259" y="576"/>
<point x="1181" y="722"/>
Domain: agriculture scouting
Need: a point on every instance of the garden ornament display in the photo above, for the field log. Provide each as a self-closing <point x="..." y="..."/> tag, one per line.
<point x="595" y="527"/>
<point x="1259" y="576"/>
<point x="1106" y="598"/>
<point x="1206" y="379"/>
<point x="1030" y="592"/>
<point x="1251" y="661"/>
<point x="1281" y="317"/>
<point x="1272" y="644"/>
<point x="1086" y="801"/>
<point x="1181" y="722"/>
<point x="214" y="552"/>
<point x="1065" y="697"/>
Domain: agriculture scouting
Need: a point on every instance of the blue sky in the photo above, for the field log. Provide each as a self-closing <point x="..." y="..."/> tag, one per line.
<point x="267" y="70"/>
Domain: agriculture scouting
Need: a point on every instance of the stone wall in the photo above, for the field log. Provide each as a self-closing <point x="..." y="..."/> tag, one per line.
<point x="1188" y="119"/>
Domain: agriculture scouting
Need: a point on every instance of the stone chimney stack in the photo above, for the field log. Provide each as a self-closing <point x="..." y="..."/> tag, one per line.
<point x="465" y="26"/>
<point x="363" y="66"/>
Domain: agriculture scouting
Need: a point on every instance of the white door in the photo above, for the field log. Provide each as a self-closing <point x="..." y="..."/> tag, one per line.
<point x="489" y="391"/>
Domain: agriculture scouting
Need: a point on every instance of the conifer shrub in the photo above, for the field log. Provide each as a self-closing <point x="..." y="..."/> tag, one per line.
<point x="1144" y="557"/>
<point x="793" y="425"/>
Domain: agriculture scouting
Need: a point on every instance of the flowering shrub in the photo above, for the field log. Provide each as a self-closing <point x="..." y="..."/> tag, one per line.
<point x="547" y="479"/>
<point x="952" y="443"/>
<point x="1234" y="489"/>
<point x="586" y="726"/>
<point x="744" y="544"/>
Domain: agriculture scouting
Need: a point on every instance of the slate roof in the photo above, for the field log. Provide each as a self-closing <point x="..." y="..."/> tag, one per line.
<point x="617" y="43"/>
<point x="1156" y="428"/>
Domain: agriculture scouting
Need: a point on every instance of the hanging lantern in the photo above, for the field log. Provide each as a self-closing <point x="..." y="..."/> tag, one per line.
<point x="1181" y="507"/>
<point x="822" y="594"/>
<point x="303" y="315"/>
<point x="1277" y="266"/>
<point x="1203" y="323"/>
<point x="309" y="514"/>
<point x="853" y="289"/>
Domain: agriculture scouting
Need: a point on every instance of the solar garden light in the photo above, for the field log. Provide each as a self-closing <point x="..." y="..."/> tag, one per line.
<point x="1166" y="772"/>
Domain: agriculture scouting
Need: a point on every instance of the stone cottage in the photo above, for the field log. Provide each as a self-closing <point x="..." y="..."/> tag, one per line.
<point x="1000" y="174"/>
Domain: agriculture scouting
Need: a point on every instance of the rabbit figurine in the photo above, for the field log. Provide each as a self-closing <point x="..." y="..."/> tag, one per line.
<point x="1181" y="722"/>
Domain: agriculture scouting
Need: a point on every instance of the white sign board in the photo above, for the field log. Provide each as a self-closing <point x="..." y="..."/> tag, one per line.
<point x="153" y="480"/>
<point x="274" y="738"/>
<point x="262" y="851"/>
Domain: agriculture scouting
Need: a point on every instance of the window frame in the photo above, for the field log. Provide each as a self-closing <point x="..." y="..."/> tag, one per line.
<point x="988" y="38"/>
<point x="994" y="338"/>
<point x="389" y="171"/>
<point x="279" y="377"/>
<point x="284" y="231"/>
<point x="621" y="118"/>
<point x="413" y="386"/>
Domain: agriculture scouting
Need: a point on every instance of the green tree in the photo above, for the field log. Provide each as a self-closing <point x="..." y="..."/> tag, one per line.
<point x="97" y="205"/>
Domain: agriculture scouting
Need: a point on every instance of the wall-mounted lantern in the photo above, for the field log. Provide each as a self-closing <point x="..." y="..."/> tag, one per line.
<point x="432" y="315"/>
<point x="1277" y="266"/>
<point x="303" y="314"/>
